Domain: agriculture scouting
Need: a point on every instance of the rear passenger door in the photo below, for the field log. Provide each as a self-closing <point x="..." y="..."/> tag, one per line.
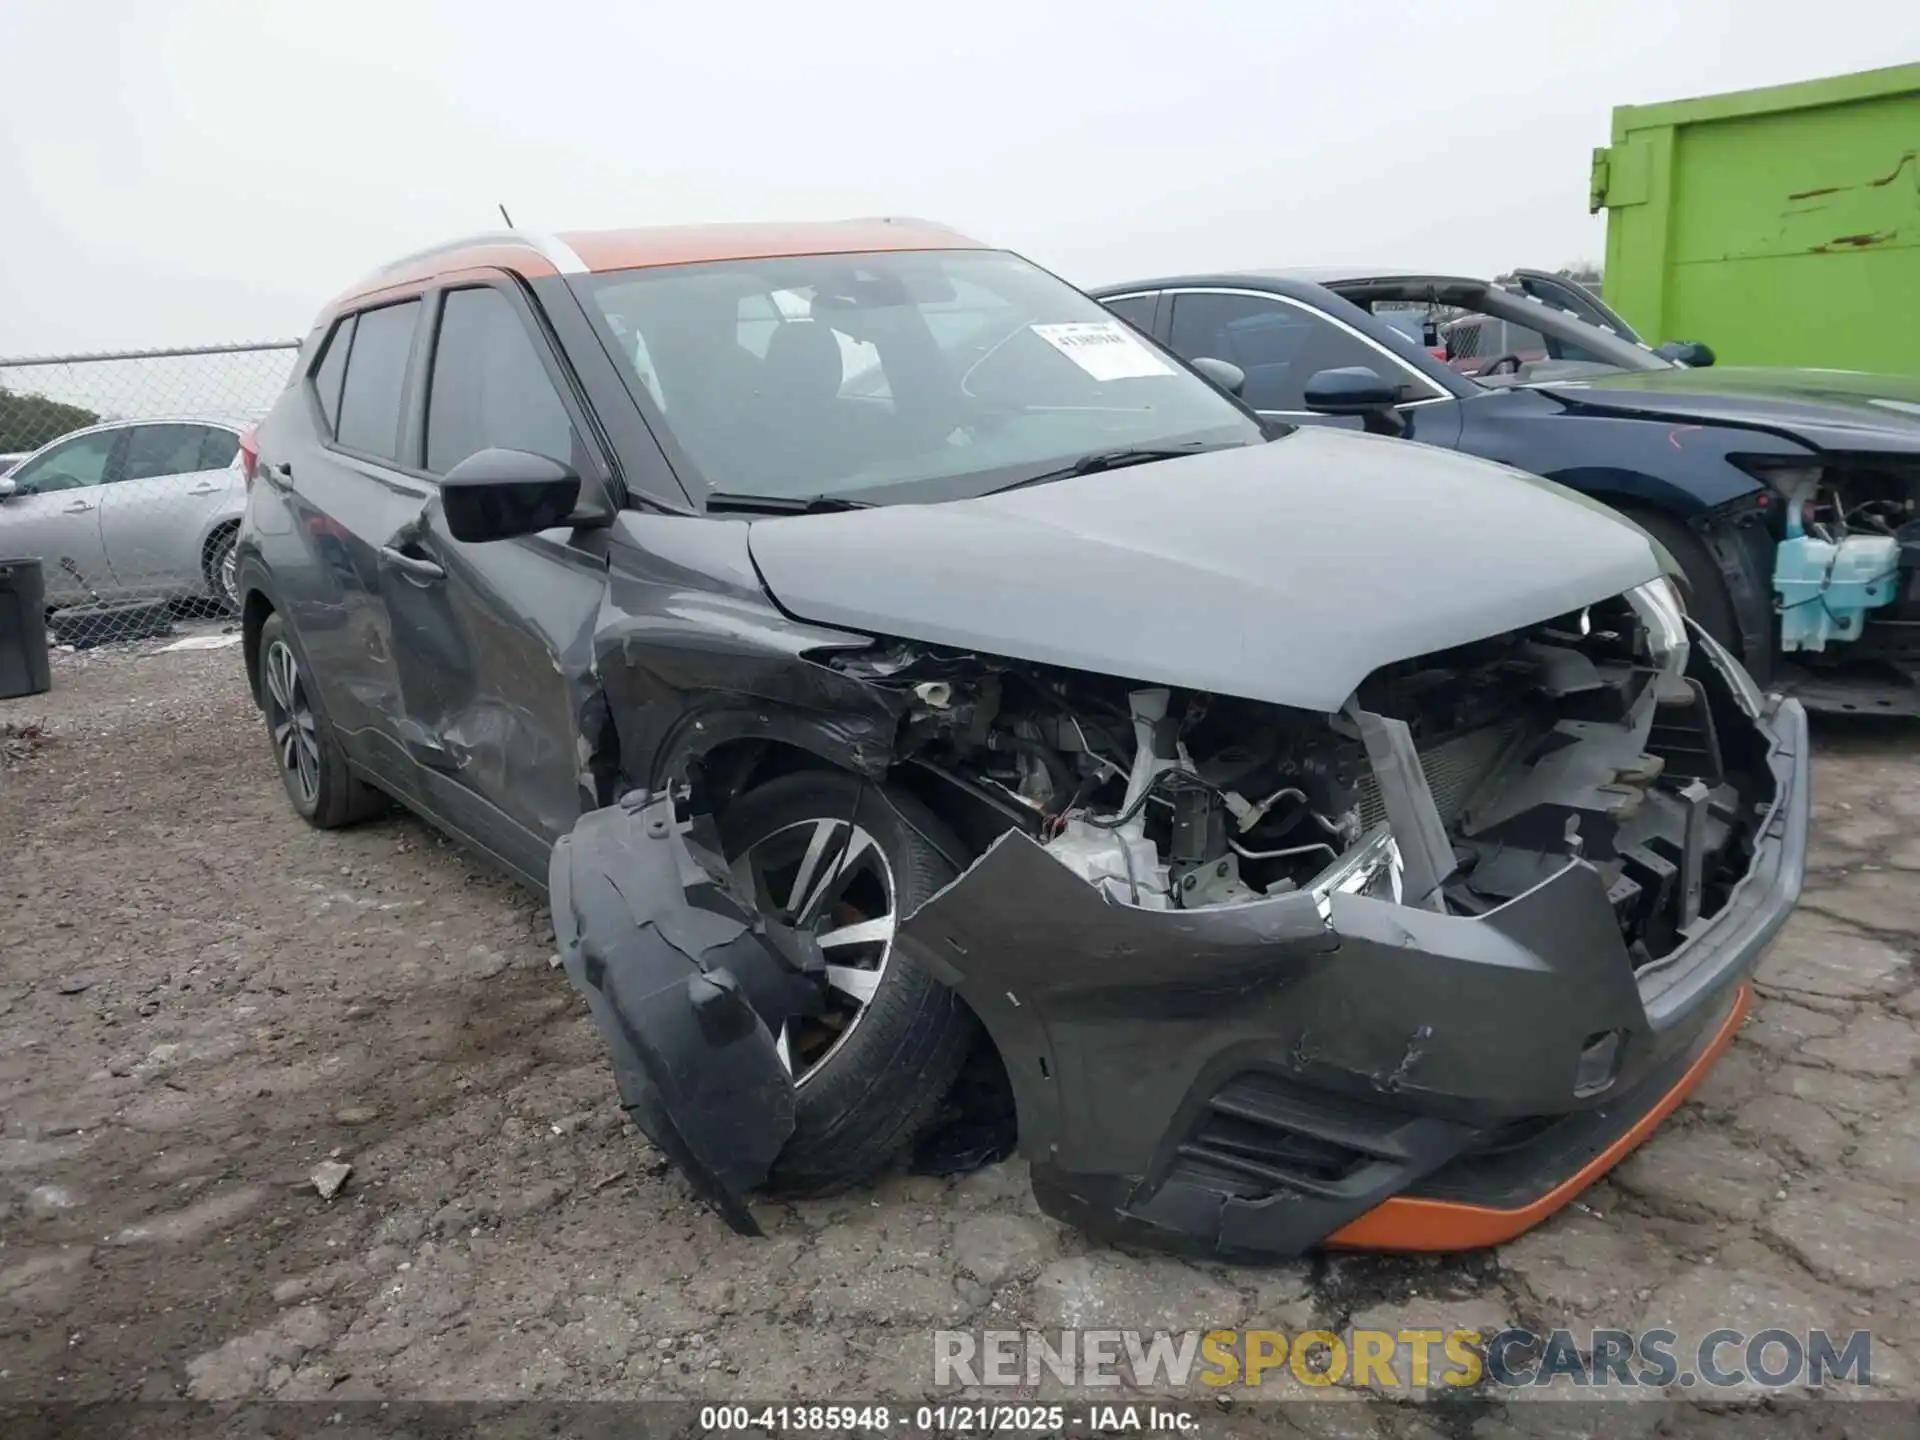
<point x="348" y="486"/>
<point x="178" y="481"/>
<point x="485" y="634"/>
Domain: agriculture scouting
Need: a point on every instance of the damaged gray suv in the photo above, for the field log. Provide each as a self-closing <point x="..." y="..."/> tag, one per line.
<point x="882" y="654"/>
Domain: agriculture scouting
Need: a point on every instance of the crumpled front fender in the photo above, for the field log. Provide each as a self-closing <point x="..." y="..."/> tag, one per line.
<point x="683" y="981"/>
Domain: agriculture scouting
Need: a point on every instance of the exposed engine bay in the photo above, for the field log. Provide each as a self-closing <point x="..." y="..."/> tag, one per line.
<point x="1848" y="566"/>
<point x="1455" y="782"/>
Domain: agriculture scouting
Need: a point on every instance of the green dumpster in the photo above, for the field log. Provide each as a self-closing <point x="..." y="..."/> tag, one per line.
<point x="1779" y="226"/>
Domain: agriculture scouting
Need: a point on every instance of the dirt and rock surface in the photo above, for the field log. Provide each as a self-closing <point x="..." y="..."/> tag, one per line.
<point x="202" y="1002"/>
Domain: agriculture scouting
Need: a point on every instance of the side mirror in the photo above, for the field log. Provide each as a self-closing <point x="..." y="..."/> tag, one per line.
<point x="499" y="494"/>
<point x="1224" y="373"/>
<point x="7" y="488"/>
<point x="1694" y="354"/>
<point x="1357" y="390"/>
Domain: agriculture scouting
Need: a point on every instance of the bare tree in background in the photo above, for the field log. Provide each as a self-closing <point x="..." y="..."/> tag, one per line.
<point x="1587" y="272"/>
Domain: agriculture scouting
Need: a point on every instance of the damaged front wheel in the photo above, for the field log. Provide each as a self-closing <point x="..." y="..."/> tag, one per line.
<point x="834" y="855"/>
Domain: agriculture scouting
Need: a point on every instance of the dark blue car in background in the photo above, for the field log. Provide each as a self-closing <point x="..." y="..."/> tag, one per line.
<point x="1787" y="497"/>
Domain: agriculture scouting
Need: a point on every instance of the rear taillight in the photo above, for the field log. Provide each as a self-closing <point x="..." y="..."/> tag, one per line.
<point x="249" y="455"/>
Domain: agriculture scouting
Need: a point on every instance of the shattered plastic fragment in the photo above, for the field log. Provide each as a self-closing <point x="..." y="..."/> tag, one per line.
<point x="673" y="968"/>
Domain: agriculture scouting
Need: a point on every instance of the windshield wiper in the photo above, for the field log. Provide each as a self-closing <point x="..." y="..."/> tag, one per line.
<point x="1100" y="460"/>
<point x="726" y="501"/>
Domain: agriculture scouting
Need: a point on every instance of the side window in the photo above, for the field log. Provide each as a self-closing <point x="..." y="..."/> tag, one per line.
<point x="371" y="394"/>
<point x="157" y="450"/>
<point x="333" y="369"/>
<point x="1136" y="310"/>
<point x="218" y="449"/>
<point x="1279" y="346"/>
<point x="71" y="466"/>
<point x="489" y="388"/>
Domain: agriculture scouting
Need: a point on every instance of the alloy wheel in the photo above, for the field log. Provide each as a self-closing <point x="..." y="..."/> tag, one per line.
<point x="830" y="877"/>
<point x="296" y="745"/>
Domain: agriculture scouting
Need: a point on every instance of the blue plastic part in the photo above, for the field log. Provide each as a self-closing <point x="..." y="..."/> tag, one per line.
<point x="1825" y="587"/>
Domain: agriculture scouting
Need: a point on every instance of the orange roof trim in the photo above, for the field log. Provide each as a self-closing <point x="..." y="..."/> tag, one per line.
<point x="594" y="251"/>
<point x="698" y="244"/>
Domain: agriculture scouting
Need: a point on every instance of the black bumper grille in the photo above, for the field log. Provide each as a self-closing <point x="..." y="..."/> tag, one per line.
<point x="1259" y="1135"/>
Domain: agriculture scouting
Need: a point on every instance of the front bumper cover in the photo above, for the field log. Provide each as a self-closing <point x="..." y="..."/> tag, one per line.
<point x="1246" y="1081"/>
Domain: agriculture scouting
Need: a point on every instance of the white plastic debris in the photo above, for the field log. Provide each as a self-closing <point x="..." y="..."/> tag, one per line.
<point x="329" y="1175"/>
<point x="200" y="642"/>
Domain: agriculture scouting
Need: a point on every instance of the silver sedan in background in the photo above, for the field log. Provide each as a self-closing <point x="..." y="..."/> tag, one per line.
<point x="132" y="509"/>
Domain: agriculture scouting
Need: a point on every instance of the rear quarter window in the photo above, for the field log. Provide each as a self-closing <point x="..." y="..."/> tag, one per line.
<point x="218" y="449"/>
<point x="332" y="370"/>
<point x="1136" y="310"/>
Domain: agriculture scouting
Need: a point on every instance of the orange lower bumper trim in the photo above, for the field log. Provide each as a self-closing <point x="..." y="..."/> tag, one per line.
<point x="1409" y="1223"/>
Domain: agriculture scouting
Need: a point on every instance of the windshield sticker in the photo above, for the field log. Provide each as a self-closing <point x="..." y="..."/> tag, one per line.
<point x="1105" y="349"/>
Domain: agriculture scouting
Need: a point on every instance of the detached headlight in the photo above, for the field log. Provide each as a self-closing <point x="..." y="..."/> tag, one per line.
<point x="1664" y="613"/>
<point x="1373" y="867"/>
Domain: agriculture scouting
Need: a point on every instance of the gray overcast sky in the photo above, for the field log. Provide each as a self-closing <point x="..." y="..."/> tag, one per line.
<point x="180" y="171"/>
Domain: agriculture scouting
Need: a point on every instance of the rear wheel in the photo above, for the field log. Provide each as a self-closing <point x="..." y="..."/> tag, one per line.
<point x="847" y="860"/>
<point x="318" y="780"/>
<point x="1707" y="599"/>
<point x="223" y="575"/>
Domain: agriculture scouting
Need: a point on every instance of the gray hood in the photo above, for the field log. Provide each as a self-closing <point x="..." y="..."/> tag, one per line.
<point x="1284" y="572"/>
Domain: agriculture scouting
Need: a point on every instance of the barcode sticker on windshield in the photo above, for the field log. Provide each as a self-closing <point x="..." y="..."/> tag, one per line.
<point x="1105" y="349"/>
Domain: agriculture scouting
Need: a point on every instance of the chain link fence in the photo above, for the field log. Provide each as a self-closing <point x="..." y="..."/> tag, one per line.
<point x="120" y="474"/>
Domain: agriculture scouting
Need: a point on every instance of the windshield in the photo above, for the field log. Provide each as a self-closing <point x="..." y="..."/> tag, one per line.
<point x="906" y="375"/>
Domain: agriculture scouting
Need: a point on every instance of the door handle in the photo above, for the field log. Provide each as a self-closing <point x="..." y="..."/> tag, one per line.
<point x="412" y="566"/>
<point x="79" y="507"/>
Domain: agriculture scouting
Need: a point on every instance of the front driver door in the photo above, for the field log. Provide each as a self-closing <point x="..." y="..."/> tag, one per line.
<point x="54" y="514"/>
<point x="487" y="636"/>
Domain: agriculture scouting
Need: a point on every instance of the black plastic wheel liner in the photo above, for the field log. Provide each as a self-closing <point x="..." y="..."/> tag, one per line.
<point x="682" y="981"/>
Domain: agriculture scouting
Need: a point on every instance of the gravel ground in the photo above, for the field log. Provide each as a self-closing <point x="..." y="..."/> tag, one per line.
<point x="201" y="1000"/>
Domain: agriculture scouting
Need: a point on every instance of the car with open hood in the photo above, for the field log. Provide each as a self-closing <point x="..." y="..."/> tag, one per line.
<point x="1790" y="499"/>
<point x="884" y="658"/>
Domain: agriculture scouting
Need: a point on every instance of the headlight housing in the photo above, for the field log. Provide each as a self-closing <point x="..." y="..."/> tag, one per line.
<point x="1664" y="613"/>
